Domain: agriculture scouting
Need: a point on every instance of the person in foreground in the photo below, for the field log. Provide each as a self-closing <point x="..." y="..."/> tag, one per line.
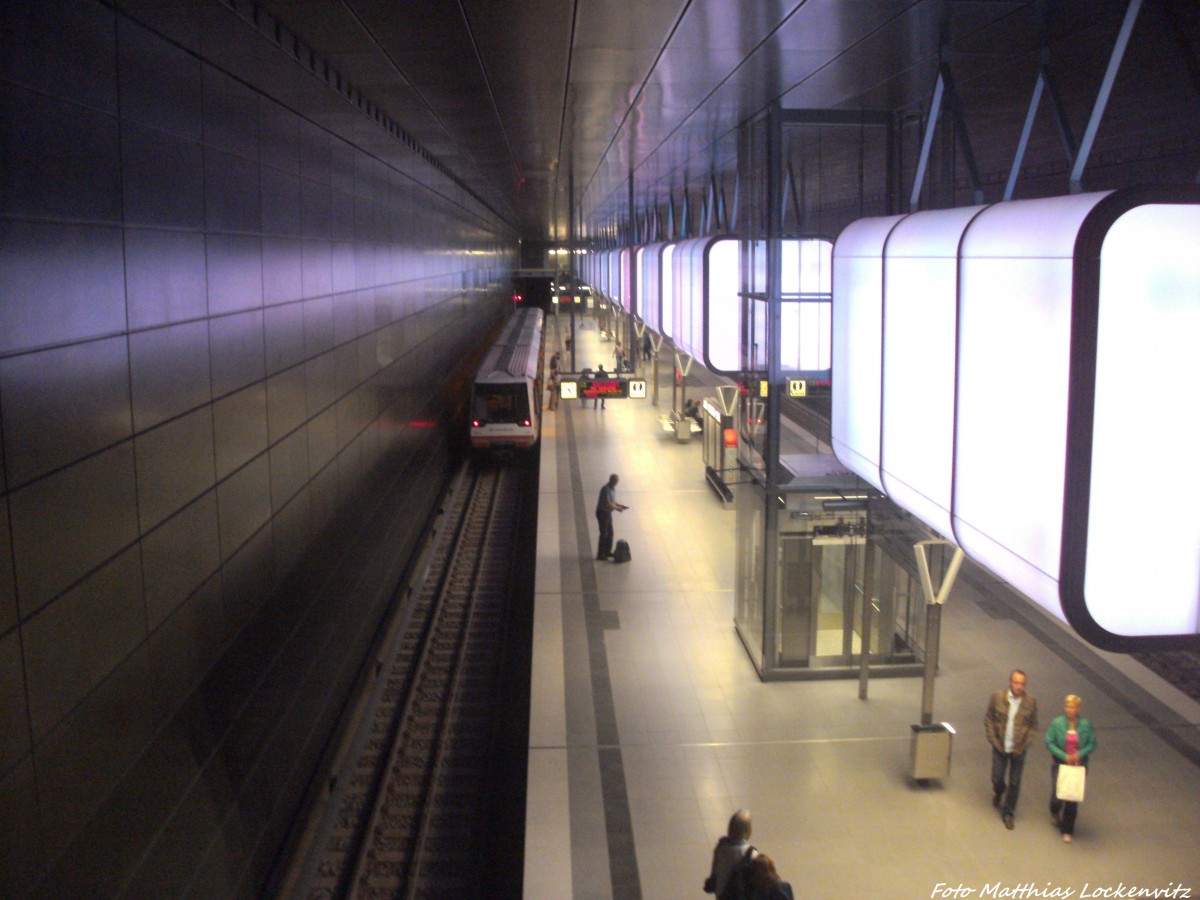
<point x="1010" y="724"/>
<point x="765" y="883"/>
<point x="732" y="849"/>
<point x="1070" y="740"/>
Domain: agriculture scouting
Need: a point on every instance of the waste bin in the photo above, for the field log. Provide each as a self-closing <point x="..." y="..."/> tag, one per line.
<point x="931" y="745"/>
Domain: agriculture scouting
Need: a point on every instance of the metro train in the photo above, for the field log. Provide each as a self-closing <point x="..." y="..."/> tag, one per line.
<point x="506" y="397"/>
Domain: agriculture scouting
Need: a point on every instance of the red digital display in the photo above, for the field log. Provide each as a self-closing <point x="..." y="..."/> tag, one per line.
<point x="615" y="387"/>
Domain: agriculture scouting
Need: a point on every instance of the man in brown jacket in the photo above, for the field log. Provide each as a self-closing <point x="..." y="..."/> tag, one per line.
<point x="1010" y="724"/>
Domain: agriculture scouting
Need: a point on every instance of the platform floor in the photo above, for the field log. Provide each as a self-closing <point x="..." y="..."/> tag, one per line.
<point x="649" y="725"/>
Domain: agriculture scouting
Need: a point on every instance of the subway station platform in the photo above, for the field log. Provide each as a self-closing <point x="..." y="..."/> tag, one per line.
<point x="649" y="725"/>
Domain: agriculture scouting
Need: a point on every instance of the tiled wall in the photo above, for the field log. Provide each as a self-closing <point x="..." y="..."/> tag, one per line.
<point x="217" y="321"/>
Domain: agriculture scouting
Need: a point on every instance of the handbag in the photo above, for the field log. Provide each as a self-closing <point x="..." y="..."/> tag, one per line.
<point x="1071" y="780"/>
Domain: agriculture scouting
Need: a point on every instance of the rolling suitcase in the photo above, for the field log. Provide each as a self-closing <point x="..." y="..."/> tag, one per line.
<point x="621" y="552"/>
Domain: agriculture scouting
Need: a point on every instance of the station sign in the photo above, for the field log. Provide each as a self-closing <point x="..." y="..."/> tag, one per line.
<point x="602" y="388"/>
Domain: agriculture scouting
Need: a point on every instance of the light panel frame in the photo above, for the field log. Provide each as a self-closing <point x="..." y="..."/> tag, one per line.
<point x="1050" y="307"/>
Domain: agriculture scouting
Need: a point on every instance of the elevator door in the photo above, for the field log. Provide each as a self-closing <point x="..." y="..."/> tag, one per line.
<point x="820" y="602"/>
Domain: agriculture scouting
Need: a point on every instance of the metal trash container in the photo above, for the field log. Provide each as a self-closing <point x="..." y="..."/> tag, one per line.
<point x="931" y="745"/>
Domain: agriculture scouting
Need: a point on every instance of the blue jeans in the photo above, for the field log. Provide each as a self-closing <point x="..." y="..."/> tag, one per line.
<point x="1014" y="763"/>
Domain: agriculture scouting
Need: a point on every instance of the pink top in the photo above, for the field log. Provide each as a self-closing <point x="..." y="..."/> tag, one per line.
<point x="1072" y="742"/>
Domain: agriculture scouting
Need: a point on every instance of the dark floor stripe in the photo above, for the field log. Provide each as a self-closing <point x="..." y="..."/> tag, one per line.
<point x="618" y="822"/>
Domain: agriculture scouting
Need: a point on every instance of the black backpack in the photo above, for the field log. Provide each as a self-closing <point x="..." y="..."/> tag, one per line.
<point x="738" y="885"/>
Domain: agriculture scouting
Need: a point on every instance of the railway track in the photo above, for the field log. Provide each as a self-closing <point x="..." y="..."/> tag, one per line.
<point x="410" y="787"/>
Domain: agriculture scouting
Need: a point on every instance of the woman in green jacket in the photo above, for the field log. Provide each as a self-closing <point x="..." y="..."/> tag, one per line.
<point x="1070" y="740"/>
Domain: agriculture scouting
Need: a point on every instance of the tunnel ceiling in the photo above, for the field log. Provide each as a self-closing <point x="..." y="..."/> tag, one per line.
<point x="530" y="103"/>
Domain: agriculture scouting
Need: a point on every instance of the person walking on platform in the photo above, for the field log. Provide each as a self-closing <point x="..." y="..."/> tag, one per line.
<point x="552" y="387"/>
<point x="601" y="375"/>
<point x="733" y="850"/>
<point x="1070" y="740"/>
<point x="647" y="347"/>
<point x="1010" y="724"/>
<point x="619" y="356"/>
<point x="606" y="505"/>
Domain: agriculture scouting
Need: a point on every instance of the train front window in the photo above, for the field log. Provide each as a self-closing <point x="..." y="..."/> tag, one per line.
<point x="500" y="404"/>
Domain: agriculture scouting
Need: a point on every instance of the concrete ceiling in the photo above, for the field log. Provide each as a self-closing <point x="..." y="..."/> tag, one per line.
<point x="538" y="107"/>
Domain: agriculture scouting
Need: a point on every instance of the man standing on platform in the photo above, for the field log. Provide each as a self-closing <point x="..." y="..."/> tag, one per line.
<point x="1010" y="724"/>
<point x="605" y="506"/>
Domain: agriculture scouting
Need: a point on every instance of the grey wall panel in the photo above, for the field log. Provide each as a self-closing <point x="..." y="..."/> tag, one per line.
<point x="283" y="328"/>
<point x="209" y="343"/>
<point x="14" y="713"/>
<point x="61" y="48"/>
<point x="293" y="529"/>
<point x="165" y="278"/>
<point x="230" y="115"/>
<point x="243" y="504"/>
<point x="320" y="383"/>
<point x="282" y="266"/>
<point x="236" y="345"/>
<point x="315" y="153"/>
<point x="159" y="82"/>
<point x="346" y="370"/>
<point x="342" y="267"/>
<point x="231" y="192"/>
<point x="169" y="372"/>
<point x="174" y="466"/>
<point x="316" y="209"/>
<point x="289" y="468"/>
<point x="8" y="586"/>
<point x="82" y="146"/>
<point x="278" y="138"/>
<point x="72" y="644"/>
<point x="162" y="177"/>
<point x="63" y="404"/>
<point x="178" y="556"/>
<point x="22" y="851"/>
<point x="322" y="439"/>
<point x="318" y="325"/>
<point x="247" y="578"/>
<point x="66" y="524"/>
<point x="240" y="427"/>
<point x="285" y="403"/>
<point x="79" y="763"/>
<point x="59" y="283"/>
<point x="280" y="202"/>
<point x="235" y="273"/>
<point x="317" y="267"/>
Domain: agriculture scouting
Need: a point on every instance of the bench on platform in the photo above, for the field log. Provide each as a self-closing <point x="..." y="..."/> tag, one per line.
<point x="683" y="427"/>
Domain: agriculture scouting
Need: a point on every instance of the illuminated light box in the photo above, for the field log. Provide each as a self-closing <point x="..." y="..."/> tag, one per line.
<point x="705" y="306"/>
<point x="858" y="345"/>
<point x="666" y="290"/>
<point x="650" y="284"/>
<point x="703" y="312"/>
<point x="920" y="300"/>
<point x="806" y="316"/>
<point x="1073" y="337"/>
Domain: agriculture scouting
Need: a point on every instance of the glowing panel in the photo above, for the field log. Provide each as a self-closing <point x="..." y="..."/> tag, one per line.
<point x="723" y="328"/>
<point x="1143" y="538"/>
<point x="1014" y="336"/>
<point x="1052" y="345"/>
<point x="920" y="299"/>
<point x="858" y="344"/>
